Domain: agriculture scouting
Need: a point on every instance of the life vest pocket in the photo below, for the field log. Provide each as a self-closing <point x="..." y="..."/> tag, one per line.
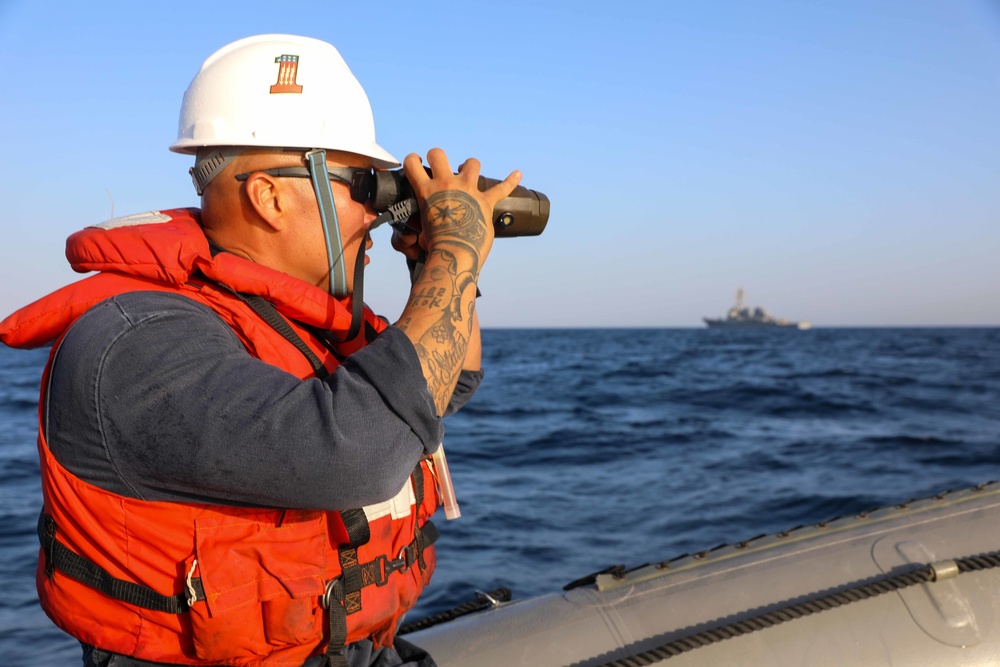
<point x="262" y="581"/>
<point x="293" y="621"/>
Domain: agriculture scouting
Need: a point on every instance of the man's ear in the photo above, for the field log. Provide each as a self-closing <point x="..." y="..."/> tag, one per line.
<point x="264" y="194"/>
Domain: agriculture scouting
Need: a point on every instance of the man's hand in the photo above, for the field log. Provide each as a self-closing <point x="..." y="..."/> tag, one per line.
<point x="457" y="234"/>
<point x="453" y="210"/>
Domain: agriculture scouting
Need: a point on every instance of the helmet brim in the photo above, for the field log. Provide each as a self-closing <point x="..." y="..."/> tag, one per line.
<point x="381" y="158"/>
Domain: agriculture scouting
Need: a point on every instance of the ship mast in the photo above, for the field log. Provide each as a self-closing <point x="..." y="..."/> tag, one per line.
<point x="739" y="299"/>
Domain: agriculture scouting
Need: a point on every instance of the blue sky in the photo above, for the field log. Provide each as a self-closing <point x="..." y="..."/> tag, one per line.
<point x="838" y="160"/>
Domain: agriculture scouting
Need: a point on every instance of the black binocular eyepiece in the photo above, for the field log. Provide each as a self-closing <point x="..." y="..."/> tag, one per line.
<point x="524" y="213"/>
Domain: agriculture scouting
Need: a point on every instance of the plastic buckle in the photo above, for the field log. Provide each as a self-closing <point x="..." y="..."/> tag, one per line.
<point x="384" y="567"/>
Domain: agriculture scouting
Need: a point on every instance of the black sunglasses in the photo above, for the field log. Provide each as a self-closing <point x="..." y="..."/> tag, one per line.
<point x="359" y="179"/>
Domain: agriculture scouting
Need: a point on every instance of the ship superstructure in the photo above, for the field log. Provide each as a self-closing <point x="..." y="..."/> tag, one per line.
<point x="744" y="316"/>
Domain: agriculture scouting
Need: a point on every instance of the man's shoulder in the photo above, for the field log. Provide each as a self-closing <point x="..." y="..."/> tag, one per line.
<point x="132" y="309"/>
<point x="134" y="316"/>
<point x="122" y="351"/>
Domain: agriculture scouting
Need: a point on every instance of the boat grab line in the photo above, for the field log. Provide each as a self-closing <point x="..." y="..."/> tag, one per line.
<point x="874" y="587"/>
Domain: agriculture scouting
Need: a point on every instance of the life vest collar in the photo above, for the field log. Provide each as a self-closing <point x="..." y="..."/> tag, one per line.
<point x="167" y="249"/>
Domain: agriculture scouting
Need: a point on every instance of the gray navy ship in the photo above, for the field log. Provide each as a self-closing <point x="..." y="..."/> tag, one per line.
<point x="740" y="316"/>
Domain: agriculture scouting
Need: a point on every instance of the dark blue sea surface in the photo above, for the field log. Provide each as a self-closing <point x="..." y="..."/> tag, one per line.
<point x="587" y="448"/>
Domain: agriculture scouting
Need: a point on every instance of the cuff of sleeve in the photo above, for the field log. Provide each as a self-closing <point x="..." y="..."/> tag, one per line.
<point x="392" y="367"/>
<point x="468" y="383"/>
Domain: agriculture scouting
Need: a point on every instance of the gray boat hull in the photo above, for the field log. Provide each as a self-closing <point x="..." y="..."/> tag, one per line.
<point x="749" y="324"/>
<point x="953" y="622"/>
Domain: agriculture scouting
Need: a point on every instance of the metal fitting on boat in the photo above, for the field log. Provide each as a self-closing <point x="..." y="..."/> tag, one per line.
<point x="489" y="598"/>
<point x="944" y="569"/>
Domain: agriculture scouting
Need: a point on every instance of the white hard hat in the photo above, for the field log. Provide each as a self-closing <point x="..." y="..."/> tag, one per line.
<point x="278" y="91"/>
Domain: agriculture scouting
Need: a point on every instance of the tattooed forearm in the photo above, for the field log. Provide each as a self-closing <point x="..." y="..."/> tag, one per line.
<point x="438" y="318"/>
<point x="444" y="300"/>
<point x="441" y="352"/>
<point x="449" y="274"/>
<point x="442" y="349"/>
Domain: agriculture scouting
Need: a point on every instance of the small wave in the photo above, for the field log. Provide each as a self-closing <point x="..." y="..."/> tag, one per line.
<point x="903" y="440"/>
<point x="16" y="406"/>
<point x="774" y="400"/>
<point x="831" y="373"/>
<point x="813" y="508"/>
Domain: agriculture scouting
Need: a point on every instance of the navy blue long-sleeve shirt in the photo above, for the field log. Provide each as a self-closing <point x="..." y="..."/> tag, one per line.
<point x="153" y="396"/>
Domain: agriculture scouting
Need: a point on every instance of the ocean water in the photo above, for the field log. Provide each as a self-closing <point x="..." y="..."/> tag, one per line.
<point x="588" y="448"/>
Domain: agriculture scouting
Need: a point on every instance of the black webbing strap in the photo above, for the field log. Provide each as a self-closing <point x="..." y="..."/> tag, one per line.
<point x="58" y="557"/>
<point x="417" y="477"/>
<point x="376" y="572"/>
<point x="344" y="594"/>
<point x="357" y="293"/>
<point x="358" y="533"/>
<point x="331" y="343"/>
<point x="270" y="314"/>
<point x="418" y="493"/>
<point x="370" y="332"/>
<point x="267" y="312"/>
<point x="426" y="536"/>
<point x="357" y="301"/>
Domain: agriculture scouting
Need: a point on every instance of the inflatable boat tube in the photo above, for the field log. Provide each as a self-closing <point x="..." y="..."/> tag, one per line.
<point x="915" y="585"/>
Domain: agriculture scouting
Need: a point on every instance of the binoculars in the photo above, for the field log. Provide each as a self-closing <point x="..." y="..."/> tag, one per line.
<point x="524" y="213"/>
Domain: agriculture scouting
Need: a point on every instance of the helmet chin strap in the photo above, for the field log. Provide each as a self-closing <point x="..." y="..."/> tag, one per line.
<point x="328" y="215"/>
<point x="316" y="159"/>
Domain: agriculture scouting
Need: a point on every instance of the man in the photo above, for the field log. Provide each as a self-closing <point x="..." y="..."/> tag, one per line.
<point x="235" y="453"/>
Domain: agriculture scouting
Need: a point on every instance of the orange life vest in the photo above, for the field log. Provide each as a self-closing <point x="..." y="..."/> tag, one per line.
<point x="199" y="584"/>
